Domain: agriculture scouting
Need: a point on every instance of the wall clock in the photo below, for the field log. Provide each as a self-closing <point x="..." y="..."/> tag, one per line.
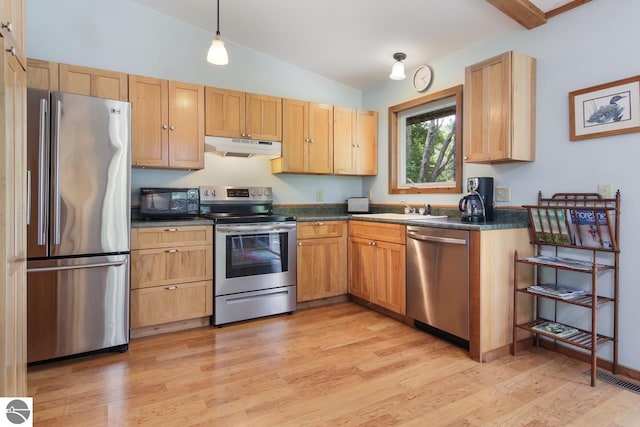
<point x="422" y="78"/>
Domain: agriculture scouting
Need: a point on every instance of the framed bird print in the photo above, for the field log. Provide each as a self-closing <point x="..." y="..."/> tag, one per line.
<point x="604" y="110"/>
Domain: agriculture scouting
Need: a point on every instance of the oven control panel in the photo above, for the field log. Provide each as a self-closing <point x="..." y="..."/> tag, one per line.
<point x="213" y="194"/>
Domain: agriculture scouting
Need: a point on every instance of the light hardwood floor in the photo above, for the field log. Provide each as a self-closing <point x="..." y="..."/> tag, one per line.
<point x="334" y="365"/>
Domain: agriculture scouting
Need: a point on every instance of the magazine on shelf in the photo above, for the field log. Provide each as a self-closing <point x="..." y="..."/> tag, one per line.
<point x="591" y="227"/>
<point x="558" y="291"/>
<point x="550" y="225"/>
<point x="559" y="229"/>
<point x="564" y="262"/>
<point x="556" y="329"/>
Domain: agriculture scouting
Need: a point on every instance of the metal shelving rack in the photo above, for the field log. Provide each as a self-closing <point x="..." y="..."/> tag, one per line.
<point x="554" y="226"/>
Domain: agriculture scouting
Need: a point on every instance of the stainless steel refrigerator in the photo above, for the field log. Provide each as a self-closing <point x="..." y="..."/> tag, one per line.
<point x="78" y="150"/>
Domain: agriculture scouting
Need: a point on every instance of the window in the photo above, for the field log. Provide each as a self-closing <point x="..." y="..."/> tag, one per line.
<point x="425" y="150"/>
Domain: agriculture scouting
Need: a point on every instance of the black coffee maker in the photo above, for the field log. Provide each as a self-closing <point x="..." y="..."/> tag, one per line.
<point x="477" y="205"/>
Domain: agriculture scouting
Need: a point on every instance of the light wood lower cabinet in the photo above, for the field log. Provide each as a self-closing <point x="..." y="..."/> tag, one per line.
<point x="162" y="304"/>
<point x="171" y="275"/>
<point x="322" y="260"/>
<point x="377" y="264"/>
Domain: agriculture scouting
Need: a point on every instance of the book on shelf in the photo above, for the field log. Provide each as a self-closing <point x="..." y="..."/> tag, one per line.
<point x="591" y="227"/>
<point x="556" y="329"/>
<point x="564" y="262"/>
<point x="558" y="291"/>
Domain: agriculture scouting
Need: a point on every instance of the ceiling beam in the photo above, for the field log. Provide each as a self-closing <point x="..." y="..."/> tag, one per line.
<point x="564" y="8"/>
<point x="521" y="11"/>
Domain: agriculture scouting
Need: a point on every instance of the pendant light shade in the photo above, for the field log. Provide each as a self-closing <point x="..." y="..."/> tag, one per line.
<point x="217" y="54"/>
<point x="397" y="72"/>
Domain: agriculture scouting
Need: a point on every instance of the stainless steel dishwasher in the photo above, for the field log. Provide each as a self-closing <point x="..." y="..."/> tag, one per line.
<point x="438" y="281"/>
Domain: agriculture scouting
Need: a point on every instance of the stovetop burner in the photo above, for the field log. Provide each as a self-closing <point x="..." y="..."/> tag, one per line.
<point x="231" y="218"/>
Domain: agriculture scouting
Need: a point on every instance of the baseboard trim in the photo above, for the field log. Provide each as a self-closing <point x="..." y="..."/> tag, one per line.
<point x="585" y="357"/>
<point x="169" y="327"/>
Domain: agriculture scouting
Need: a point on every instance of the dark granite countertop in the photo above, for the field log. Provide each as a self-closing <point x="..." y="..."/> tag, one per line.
<point x="454" y="222"/>
<point x="139" y="223"/>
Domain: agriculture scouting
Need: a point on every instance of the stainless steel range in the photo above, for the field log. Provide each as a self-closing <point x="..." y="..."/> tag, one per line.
<point x="254" y="253"/>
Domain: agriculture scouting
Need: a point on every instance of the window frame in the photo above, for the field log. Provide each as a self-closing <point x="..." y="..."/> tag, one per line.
<point x="394" y="167"/>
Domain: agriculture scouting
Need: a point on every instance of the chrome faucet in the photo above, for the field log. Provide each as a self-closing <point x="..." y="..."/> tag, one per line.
<point x="408" y="208"/>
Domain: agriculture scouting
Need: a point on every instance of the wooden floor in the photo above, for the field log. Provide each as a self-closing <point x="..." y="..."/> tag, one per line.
<point x="335" y="365"/>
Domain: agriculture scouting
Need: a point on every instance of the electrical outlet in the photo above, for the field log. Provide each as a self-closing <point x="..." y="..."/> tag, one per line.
<point x="319" y="196"/>
<point x="503" y="194"/>
<point x="605" y="190"/>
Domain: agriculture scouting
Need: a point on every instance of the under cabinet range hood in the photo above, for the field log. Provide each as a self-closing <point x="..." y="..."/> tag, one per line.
<point x="236" y="147"/>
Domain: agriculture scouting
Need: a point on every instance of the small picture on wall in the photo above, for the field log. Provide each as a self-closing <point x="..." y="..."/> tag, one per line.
<point x="604" y="110"/>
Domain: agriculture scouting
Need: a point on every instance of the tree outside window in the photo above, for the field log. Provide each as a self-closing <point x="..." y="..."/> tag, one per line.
<point x="425" y="148"/>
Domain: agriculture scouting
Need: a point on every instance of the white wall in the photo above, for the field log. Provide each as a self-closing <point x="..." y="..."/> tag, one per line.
<point x="125" y="36"/>
<point x="584" y="47"/>
<point x="593" y="44"/>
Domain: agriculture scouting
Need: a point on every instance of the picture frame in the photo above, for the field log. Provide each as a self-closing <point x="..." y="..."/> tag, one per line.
<point x="604" y="110"/>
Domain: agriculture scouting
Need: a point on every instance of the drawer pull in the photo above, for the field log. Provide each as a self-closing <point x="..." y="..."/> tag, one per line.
<point x="171" y="230"/>
<point x="171" y="251"/>
<point x="320" y="223"/>
<point x="171" y="288"/>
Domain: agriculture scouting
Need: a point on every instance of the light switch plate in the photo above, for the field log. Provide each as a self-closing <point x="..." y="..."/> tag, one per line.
<point x="503" y="194"/>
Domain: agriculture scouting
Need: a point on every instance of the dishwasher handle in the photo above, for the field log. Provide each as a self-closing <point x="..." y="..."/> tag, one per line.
<point x="436" y="239"/>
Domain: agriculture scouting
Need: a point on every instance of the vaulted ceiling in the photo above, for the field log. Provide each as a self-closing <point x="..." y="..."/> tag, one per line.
<point x="352" y="41"/>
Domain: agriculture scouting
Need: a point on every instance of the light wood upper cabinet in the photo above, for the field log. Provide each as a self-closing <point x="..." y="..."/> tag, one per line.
<point x="322" y="260"/>
<point x="42" y="74"/>
<point x="355" y="142"/>
<point x="93" y="82"/>
<point x="167" y="123"/>
<point x="499" y="109"/>
<point x="238" y="114"/>
<point x="307" y="138"/>
<point x="377" y="260"/>
<point x="12" y="28"/>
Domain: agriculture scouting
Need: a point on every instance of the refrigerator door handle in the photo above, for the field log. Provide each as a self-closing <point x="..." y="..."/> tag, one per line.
<point x="28" y="197"/>
<point x="42" y="173"/>
<point x="55" y="165"/>
<point x="76" y="267"/>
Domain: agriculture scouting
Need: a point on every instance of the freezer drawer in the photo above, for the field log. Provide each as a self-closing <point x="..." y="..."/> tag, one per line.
<point x="76" y="305"/>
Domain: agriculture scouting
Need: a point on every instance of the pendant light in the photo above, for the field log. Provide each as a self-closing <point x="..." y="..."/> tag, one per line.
<point x="217" y="54"/>
<point x="397" y="72"/>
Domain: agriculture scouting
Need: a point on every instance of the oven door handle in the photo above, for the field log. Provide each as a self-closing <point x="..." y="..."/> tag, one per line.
<point x="255" y="228"/>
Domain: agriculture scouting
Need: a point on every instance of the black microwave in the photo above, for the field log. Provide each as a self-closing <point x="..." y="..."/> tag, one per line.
<point x="167" y="203"/>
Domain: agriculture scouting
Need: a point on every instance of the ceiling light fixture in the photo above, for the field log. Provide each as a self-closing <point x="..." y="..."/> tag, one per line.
<point x="397" y="72"/>
<point x="217" y="54"/>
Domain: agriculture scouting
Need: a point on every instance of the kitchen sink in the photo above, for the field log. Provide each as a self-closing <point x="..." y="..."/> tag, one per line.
<point x="399" y="216"/>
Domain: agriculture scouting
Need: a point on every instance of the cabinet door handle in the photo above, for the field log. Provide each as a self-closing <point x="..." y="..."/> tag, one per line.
<point x="372" y="243"/>
<point x="171" y="251"/>
<point x="165" y="127"/>
<point x="171" y="229"/>
<point x="11" y="50"/>
<point x="172" y="128"/>
<point x="7" y="25"/>
<point x="320" y="223"/>
<point x="299" y="243"/>
<point x="171" y="288"/>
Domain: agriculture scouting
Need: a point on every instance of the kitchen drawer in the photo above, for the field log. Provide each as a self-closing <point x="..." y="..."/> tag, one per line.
<point x="394" y="233"/>
<point x="318" y="229"/>
<point x="162" y="304"/>
<point x="165" y="266"/>
<point x="162" y="237"/>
